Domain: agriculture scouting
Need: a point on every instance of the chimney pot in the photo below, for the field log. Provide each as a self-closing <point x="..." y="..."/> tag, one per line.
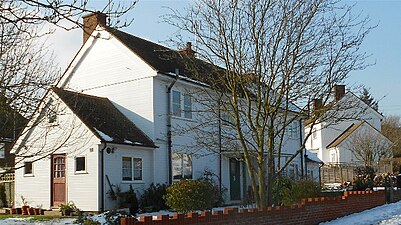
<point x="90" y="23"/>
<point x="339" y="92"/>
<point x="188" y="51"/>
<point x="317" y="104"/>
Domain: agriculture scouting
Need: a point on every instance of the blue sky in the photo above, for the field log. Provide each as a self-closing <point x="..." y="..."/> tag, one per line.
<point x="384" y="43"/>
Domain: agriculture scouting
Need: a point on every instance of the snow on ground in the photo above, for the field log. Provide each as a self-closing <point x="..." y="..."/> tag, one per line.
<point x="389" y="214"/>
<point x="26" y="221"/>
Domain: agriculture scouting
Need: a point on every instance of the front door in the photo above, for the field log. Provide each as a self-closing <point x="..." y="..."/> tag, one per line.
<point x="58" y="180"/>
<point x="235" y="185"/>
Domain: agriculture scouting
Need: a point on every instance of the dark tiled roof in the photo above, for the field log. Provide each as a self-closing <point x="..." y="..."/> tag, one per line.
<point x="345" y="134"/>
<point x="104" y="119"/>
<point x="167" y="60"/>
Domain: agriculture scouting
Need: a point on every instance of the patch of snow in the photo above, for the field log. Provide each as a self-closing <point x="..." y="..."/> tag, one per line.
<point x="138" y="143"/>
<point x="389" y="214"/>
<point x="27" y="221"/>
<point x="104" y="136"/>
<point x="127" y="141"/>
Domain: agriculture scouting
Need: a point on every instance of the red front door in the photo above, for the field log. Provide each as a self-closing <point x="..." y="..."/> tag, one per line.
<point x="58" y="180"/>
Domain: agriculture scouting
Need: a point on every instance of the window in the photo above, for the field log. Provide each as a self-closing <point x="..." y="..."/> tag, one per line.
<point x="80" y="164"/>
<point x="51" y="112"/>
<point x="28" y="168"/>
<point x="182" y="166"/>
<point x="2" y="150"/>
<point x="314" y="134"/>
<point x="176" y="103"/>
<point x="187" y="106"/>
<point x="292" y="130"/>
<point x="132" y="169"/>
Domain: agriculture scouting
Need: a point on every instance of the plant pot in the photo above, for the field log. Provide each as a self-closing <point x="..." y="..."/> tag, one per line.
<point x="13" y="211"/>
<point x="37" y="211"/>
<point x="25" y="210"/>
<point x="19" y="210"/>
<point x="66" y="212"/>
<point x="31" y="211"/>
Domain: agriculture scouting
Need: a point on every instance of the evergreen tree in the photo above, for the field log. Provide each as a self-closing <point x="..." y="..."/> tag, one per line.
<point x="368" y="99"/>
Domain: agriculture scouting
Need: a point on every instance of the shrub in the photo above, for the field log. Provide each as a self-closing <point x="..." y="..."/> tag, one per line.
<point x="364" y="178"/>
<point x="128" y="199"/>
<point x="189" y="195"/>
<point x="289" y="192"/>
<point x="3" y="196"/>
<point x="218" y="194"/>
<point x="152" y="198"/>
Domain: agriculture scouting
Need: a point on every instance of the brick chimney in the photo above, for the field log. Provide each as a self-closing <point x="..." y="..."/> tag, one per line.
<point x="91" y="21"/>
<point x="339" y="92"/>
<point x="317" y="104"/>
<point x="188" y="51"/>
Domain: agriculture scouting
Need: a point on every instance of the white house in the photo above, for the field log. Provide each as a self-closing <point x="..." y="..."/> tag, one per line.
<point x="333" y="136"/>
<point x="110" y="122"/>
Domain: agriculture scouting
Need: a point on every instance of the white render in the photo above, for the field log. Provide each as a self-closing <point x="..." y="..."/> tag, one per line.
<point x="325" y="132"/>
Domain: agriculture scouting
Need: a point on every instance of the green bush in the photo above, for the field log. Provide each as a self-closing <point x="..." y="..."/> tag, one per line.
<point x="3" y="196"/>
<point x="152" y="198"/>
<point x="364" y="178"/>
<point x="190" y="195"/>
<point x="218" y="194"/>
<point x="288" y="192"/>
<point x="128" y="199"/>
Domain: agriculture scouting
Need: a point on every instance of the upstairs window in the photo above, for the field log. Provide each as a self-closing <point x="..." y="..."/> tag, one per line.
<point x="176" y="103"/>
<point x="2" y="150"/>
<point x="28" y="168"/>
<point x="187" y="106"/>
<point x="182" y="166"/>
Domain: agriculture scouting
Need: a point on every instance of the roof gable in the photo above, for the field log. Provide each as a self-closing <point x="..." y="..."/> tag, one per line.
<point x="166" y="60"/>
<point x="104" y="119"/>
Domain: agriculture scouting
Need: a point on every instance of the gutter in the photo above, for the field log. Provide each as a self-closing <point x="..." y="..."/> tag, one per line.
<point x="169" y="138"/>
<point x="102" y="176"/>
<point x="302" y="151"/>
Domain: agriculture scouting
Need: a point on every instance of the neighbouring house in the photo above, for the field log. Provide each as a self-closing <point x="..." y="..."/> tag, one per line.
<point x="341" y="135"/>
<point x="11" y="124"/>
<point x="112" y="122"/>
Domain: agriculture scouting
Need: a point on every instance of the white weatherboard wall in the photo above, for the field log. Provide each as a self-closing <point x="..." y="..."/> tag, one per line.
<point x="113" y="169"/>
<point x="109" y="69"/>
<point x="71" y="137"/>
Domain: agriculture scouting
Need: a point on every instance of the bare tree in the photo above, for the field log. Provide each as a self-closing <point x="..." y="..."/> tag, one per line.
<point x="391" y="128"/>
<point x="27" y="67"/>
<point x="274" y="54"/>
<point x="19" y="13"/>
<point x="369" y="147"/>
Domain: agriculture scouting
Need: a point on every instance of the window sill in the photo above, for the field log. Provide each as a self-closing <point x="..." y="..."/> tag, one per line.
<point x="132" y="182"/>
<point x="183" y="118"/>
<point x="80" y="172"/>
<point x="28" y="175"/>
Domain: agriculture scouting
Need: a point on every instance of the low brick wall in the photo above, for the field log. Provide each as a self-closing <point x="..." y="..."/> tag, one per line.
<point x="308" y="211"/>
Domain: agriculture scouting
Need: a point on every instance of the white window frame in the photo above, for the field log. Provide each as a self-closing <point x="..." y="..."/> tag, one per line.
<point x="2" y="150"/>
<point x="25" y="172"/>
<point x="182" y="166"/>
<point x="85" y="165"/>
<point x="176" y="104"/>
<point x="133" y="170"/>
